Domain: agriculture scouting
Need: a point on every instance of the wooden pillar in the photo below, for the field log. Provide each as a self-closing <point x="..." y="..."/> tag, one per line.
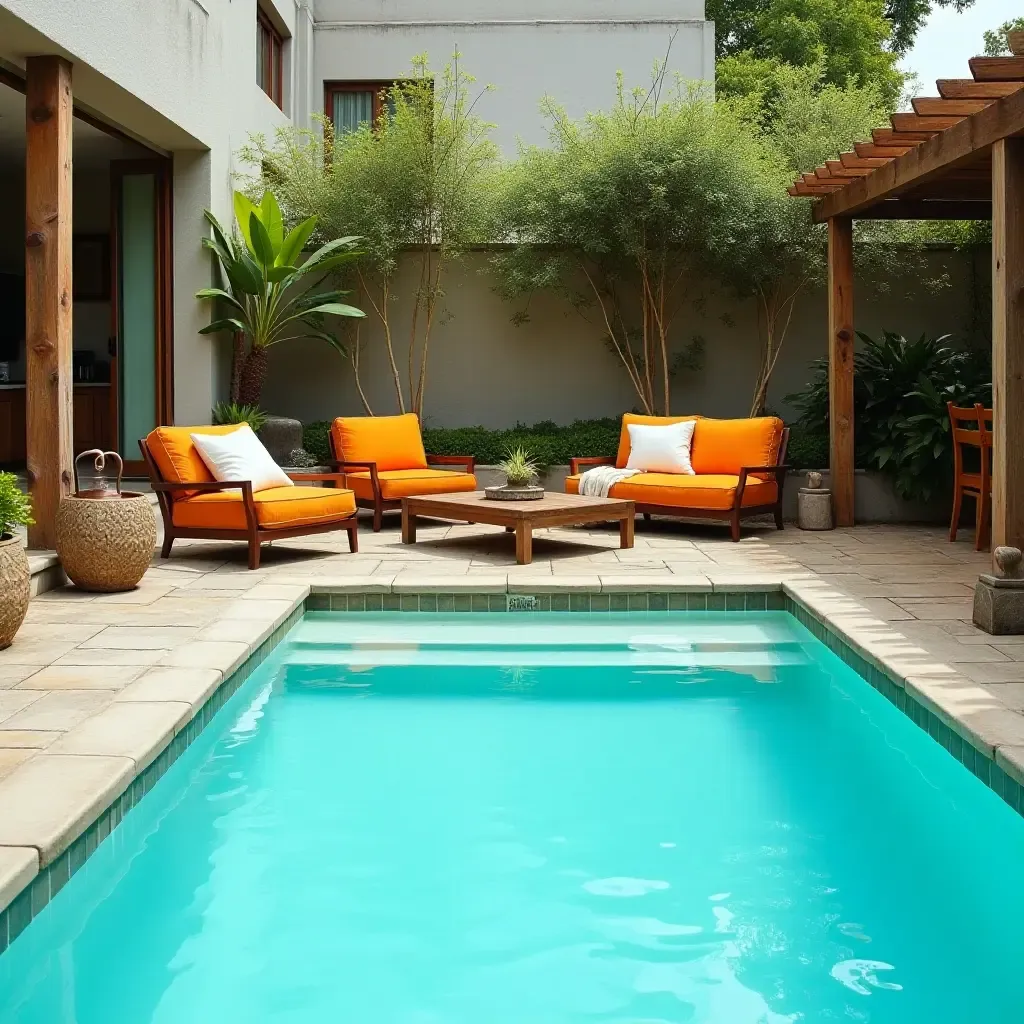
<point x="840" y="365"/>
<point x="48" y="115"/>
<point x="1008" y="342"/>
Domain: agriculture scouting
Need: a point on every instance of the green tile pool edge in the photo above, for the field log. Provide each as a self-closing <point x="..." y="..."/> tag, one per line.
<point x="52" y="878"/>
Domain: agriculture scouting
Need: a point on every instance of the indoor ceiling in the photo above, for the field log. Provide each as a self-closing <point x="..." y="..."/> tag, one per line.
<point x="90" y="147"/>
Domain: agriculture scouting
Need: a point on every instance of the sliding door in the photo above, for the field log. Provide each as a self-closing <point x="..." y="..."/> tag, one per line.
<point x="141" y="345"/>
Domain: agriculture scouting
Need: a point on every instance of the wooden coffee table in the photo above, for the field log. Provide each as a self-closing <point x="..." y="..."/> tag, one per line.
<point x="520" y="516"/>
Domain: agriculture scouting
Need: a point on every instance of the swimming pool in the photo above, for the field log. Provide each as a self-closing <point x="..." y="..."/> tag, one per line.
<point x="551" y="819"/>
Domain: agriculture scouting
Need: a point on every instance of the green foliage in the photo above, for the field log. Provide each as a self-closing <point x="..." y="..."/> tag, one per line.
<point x="266" y="296"/>
<point x="548" y="444"/>
<point x="900" y="392"/>
<point x="626" y="208"/>
<point x="519" y="467"/>
<point x="417" y="180"/>
<point x="235" y="412"/>
<point x="908" y="17"/>
<point x="15" y="506"/>
<point x="996" y="42"/>
<point x="848" y="37"/>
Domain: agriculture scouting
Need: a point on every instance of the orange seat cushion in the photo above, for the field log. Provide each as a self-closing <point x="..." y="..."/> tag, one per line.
<point x="393" y="442"/>
<point x="277" y="508"/>
<point x="178" y="459"/>
<point x="402" y="483"/>
<point x="650" y="421"/>
<point x="726" y="446"/>
<point x="715" y="492"/>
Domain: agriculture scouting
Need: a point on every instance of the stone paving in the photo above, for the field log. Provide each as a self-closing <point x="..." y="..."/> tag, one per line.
<point x="95" y="686"/>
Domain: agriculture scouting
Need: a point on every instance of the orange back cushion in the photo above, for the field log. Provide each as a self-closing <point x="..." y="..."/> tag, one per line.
<point x="393" y="442"/>
<point x="176" y="456"/>
<point x="651" y="421"/>
<point x="725" y="446"/>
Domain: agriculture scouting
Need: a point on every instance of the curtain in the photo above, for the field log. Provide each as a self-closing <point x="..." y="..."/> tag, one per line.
<point x="351" y="109"/>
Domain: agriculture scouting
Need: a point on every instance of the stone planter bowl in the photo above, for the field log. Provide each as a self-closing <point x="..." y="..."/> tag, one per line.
<point x="506" y="493"/>
<point x="106" y="544"/>
<point x="14" y="588"/>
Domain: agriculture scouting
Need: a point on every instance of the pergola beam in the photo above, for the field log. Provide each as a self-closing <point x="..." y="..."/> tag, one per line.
<point x="48" y="395"/>
<point x="840" y="367"/>
<point x="930" y="159"/>
<point x="1008" y="343"/>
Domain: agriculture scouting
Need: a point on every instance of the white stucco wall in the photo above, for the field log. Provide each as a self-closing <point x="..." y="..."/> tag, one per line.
<point x="569" y="49"/>
<point x="483" y="369"/>
<point x="179" y="75"/>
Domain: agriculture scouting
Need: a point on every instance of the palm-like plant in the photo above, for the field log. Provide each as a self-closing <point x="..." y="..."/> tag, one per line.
<point x="269" y="297"/>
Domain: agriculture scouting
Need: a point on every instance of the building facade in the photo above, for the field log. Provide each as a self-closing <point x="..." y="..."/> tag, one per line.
<point x="161" y="94"/>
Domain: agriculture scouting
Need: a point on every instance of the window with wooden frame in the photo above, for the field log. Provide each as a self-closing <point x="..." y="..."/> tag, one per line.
<point x="269" y="59"/>
<point x="347" y="105"/>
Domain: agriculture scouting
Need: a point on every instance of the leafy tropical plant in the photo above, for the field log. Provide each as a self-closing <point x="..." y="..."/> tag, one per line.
<point x="414" y="187"/>
<point x="901" y="388"/>
<point x="997" y="41"/>
<point x="236" y="412"/>
<point x="267" y="295"/>
<point x="519" y="467"/>
<point x="15" y="506"/>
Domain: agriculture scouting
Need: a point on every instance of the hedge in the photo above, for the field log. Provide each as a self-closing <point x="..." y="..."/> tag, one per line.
<point x="551" y="445"/>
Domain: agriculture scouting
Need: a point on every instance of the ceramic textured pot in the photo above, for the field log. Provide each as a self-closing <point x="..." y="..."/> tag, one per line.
<point x="106" y="543"/>
<point x="14" y="588"/>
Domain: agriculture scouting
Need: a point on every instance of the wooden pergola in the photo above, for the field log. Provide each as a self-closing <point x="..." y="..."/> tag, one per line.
<point x="956" y="156"/>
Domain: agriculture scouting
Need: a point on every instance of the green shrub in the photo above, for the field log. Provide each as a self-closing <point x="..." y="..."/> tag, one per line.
<point x="227" y="413"/>
<point x="901" y="425"/>
<point x="15" y="506"/>
<point x="549" y="444"/>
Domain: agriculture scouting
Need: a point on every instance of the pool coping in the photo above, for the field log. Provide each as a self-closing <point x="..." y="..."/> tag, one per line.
<point x="988" y="738"/>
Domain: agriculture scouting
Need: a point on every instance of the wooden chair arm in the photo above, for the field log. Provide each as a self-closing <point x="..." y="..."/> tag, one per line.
<point x="341" y="465"/>
<point x="598" y="460"/>
<point x="204" y="486"/>
<point x="779" y="472"/>
<point x="337" y="478"/>
<point x="468" y="462"/>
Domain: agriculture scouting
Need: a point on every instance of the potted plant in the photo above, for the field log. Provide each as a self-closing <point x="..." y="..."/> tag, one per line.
<point x="520" y="471"/>
<point x="15" y="510"/>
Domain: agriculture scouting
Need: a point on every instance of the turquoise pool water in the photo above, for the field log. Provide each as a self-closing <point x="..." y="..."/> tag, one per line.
<point x="500" y="819"/>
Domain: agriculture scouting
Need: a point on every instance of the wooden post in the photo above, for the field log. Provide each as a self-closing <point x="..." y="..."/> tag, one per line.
<point x="48" y="115"/>
<point x="1008" y="342"/>
<point x="840" y="365"/>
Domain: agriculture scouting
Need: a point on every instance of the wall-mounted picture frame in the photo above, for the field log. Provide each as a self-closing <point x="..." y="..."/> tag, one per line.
<point x="90" y="268"/>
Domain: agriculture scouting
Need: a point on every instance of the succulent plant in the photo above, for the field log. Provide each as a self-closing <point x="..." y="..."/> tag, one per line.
<point x="519" y="467"/>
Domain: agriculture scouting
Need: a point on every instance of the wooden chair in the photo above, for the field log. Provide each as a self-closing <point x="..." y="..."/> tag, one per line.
<point x="972" y="428"/>
<point x="195" y="505"/>
<point x="383" y="461"/>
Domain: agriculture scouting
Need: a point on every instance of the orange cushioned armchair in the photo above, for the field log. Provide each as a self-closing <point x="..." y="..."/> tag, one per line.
<point x="383" y="460"/>
<point x="739" y="465"/>
<point x="193" y="504"/>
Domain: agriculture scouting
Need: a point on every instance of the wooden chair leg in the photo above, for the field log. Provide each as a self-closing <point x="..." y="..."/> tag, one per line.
<point x="165" y="548"/>
<point x="734" y="525"/>
<point x="254" y="553"/>
<point x="647" y="517"/>
<point x="353" y="537"/>
<point x="779" y="524"/>
<point x="378" y="518"/>
<point x="958" y="500"/>
<point x="982" y="522"/>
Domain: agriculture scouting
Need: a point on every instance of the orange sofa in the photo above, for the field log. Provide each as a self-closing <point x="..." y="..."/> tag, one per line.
<point x="383" y="460"/>
<point x="739" y="465"/>
<point x="193" y="504"/>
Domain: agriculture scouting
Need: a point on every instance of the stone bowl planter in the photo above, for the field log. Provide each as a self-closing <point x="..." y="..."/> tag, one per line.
<point x="15" y="581"/>
<point x="105" y="538"/>
<point x="506" y="493"/>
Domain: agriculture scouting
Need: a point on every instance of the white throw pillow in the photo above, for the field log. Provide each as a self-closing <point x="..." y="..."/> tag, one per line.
<point x="657" y="449"/>
<point x="240" y="455"/>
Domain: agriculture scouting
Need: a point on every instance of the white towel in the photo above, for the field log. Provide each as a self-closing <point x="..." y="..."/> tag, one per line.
<point x="597" y="482"/>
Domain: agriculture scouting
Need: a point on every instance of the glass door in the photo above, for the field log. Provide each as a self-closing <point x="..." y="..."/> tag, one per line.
<point x="140" y="346"/>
